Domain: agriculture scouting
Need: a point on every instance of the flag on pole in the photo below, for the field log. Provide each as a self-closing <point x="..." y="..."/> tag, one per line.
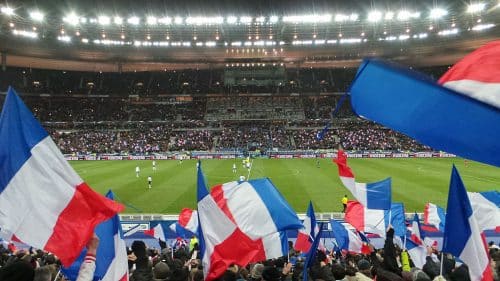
<point x="462" y="236"/>
<point x="111" y="258"/>
<point x="180" y="231"/>
<point x="306" y="235"/>
<point x="44" y="202"/>
<point x="417" y="252"/>
<point x="222" y="243"/>
<point x="158" y="232"/>
<point x="347" y="239"/>
<point x="434" y="215"/>
<point x="376" y="221"/>
<point x="416" y="234"/>
<point x="485" y="207"/>
<point x="189" y="219"/>
<point x="311" y="255"/>
<point x="376" y="195"/>
<point x="412" y="101"/>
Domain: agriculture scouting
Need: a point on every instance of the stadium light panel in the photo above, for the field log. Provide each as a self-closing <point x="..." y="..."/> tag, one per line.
<point x="341" y="17"/>
<point x="85" y="40"/>
<point x="210" y="43"/>
<point x="118" y="20"/>
<point x="71" y="19"/>
<point x="476" y="7"/>
<point x="231" y="20"/>
<point x="437" y="13"/>
<point x="350" y="40"/>
<point x="178" y="20"/>
<point x="83" y="20"/>
<point x="150" y="20"/>
<point x="165" y="20"/>
<point x="319" y="42"/>
<point x="103" y="20"/>
<point x="448" y="32"/>
<point x="389" y="16"/>
<point x="260" y="19"/>
<point x="134" y="20"/>
<point x="186" y="44"/>
<point x="404" y="15"/>
<point x="374" y="16"/>
<point x="403" y="37"/>
<point x="480" y="27"/>
<point x="66" y="39"/>
<point x="353" y="17"/>
<point x="246" y="20"/>
<point x="236" y="43"/>
<point x="308" y="18"/>
<point x="37" y="16"/>
<point x="7" y="11"/>
<point x="25" y="33"/>
<point x="273" y="19"/>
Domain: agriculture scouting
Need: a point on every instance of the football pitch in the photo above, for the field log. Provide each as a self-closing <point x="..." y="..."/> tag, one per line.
<point x="415" y="181"/>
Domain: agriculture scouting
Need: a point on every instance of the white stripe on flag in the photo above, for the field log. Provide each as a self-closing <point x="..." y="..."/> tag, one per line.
<point x="119" y="266"/>
<point x="483" y="91"/>
<point x="474" y="253"/>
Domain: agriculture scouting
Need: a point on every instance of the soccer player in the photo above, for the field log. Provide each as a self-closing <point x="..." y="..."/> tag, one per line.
<point x="150" y="181"/>
<point x="234" y="168"/>
<point x="137" y="171"/>
<point x="154" y="166"/>
<point x="344" y="203"/>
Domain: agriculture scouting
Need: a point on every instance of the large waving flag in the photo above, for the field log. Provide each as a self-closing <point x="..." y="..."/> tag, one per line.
<point x="462" y="236"/>
<point x="376" y="221"/>
<point x="347" y="239"/>
<point x="417" y="252"/>
<point x="416" y="234"/>
<point x="111" y="259"/>
<point x="485" y="207"/>
<point x="412" y="101"/>
<point x="256" y="207"/>
<point x="434" y="215"/>
<point x="306" y="235"/>
<point x="222" y="243"/>
<point x="376" y="195"/>
<point x="180" y="231"/>
<point x="189" y="219"/>
<point x="43" y="202"/>
<point x="159" y="231"/>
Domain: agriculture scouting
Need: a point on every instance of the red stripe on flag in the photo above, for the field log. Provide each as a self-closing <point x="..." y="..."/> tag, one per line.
<point x="341" y="161"/>
<point x="480" y="65"/>
<point x="238" y="249"/>
<point x="217" y="194"/>
<point x="150" y="232"/>
<point x="302" y="243"/>
<point x="185" y="216"/>
<point x="77" y="221"/>
<point x="124" y="277"/>
<point x="355" y="215"/>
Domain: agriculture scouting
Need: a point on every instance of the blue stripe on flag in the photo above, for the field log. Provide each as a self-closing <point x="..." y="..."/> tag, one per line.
<point x="378" y="194"/>
<point x="284" y="243"/>
<point x="19" y="133"/>
<point x="283" y="215"/>
<point x="340" y="233"/>
<point x="493" y="196"/>
<point x="416" y="106"/>
<point x="398" y="219"/>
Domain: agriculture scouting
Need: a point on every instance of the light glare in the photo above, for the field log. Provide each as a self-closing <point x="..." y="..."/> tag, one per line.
<point x="37" y="16"/>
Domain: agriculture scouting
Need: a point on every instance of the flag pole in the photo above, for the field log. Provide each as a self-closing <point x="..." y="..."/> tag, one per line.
<point x="441" y="266"/>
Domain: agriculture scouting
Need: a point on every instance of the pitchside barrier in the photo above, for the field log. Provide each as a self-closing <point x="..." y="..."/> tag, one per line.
<point x="133" y="226"/>
<point x="271" y="154"/>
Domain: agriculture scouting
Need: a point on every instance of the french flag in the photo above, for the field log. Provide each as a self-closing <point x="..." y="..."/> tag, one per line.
<point x="306" y="235"/>
<point x="189" y="219"/>
<point x="180" y="231"/>
<point x="462" y="236"/>
<point x="415" y="231"/>
<point x="417" y="253"/>
<point x="158" y="232"/>
<point x="44" y="202"/>
<point x="222" y="243"/>
<point x="434" y="215"/>
<point x="256" y="207"/>
<point x="111" y="259"/>
<point x="376" y="221"/>
<point x="463" y="104"/>
<point x="347" y="239"/>
<point x="376" y="195"/>
<point x="485" y="207"/>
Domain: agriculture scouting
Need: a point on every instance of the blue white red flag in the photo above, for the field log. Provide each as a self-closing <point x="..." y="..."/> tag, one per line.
<point x="417" y="252"/>
<point x="435" y="216"/>
<point x="462" y="236"/>
<point x="180" y="231"/>
<point x="306" y="235"/>
<point x="158" y="231"/>
<point x="111" y="259"/>
<point x="222" y="243"/>
<point x="376" y="195"/>
<point x="189" y="219"/>
<point x="485" y="207"/>
<point x="347" y="239"/>
<point x="465" y="108"/>
<point x="44" y="202"/>
<point x="376" y="221"/>
<point x="416" y="234"/>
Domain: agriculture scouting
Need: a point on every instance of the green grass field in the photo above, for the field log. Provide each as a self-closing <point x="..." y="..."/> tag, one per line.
<point x="415" y="181"/>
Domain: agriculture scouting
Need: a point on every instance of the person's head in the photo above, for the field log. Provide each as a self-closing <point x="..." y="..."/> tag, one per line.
<point x="338" y="271"/>
<point x="42" y="274"/>
<point x="161" y="270"/>
<point x="364" y="267"/>
<point x="17" y="271"/>
<point x="256" y="271"/>
<point x="270" y="273"/>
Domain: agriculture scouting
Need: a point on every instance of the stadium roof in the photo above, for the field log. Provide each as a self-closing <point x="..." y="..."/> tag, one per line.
<point x="156" y="35"/>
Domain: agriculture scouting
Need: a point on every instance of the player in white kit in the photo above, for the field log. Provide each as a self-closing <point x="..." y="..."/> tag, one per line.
<point x="150" y="182"/>
<point x="137" y="171"/>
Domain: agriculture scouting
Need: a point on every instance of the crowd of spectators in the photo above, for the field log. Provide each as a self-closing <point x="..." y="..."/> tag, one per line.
<point x="389" y="263"/>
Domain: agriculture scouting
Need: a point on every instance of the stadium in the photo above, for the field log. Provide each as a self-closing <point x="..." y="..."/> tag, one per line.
<point x="135" y="95"/>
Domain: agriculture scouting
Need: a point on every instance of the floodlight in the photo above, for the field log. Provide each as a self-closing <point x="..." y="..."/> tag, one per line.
<point x="118" y="20"/>
<point x="231" y="19"/>
<point x="389" y="15"/>
<point x="71" y="19"/>
<point x="246" y="19"/>
<point x="374" y="16"/>
<point x="151" y="20"/>
<point x="353" y="17"/>
<point x="37" y="15"/>
<point x="66" y="39"/>
<point x="437" y="13"/>
<point x="404" y="15"/>
<point x="103" y="20"/>
<point x="7" y="11"/>
<point x="178" y="20"/>
<point x="134" y="20"/>
<point x="165" y="20"/>
<point x="476" y="7"/>
<point x="273" y="19"/>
